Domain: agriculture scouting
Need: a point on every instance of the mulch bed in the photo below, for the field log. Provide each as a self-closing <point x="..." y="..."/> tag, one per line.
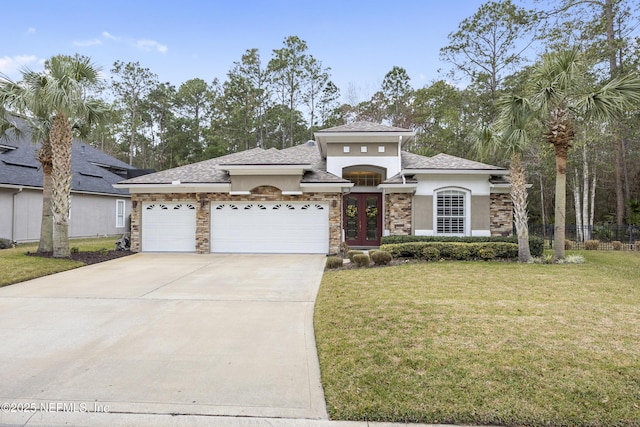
<point x="88" y="257"/>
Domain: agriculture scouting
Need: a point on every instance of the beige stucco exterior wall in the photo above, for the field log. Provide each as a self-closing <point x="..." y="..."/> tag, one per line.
<point x="480" y="212"/>
<point x="423" y="212"/>
<point x="337" y="149"/>
<point x="203" y="202"/>
<point x="249" y="182"/>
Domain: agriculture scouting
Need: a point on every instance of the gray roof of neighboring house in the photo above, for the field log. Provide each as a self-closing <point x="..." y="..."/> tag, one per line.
<point x="364" y="127"/>
<point x="19" y="166"/>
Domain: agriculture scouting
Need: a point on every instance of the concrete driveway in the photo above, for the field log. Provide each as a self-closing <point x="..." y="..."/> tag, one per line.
<point x="166" y="334"/>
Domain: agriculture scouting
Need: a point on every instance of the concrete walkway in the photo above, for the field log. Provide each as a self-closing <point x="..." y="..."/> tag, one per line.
<point x="137" y="340"/>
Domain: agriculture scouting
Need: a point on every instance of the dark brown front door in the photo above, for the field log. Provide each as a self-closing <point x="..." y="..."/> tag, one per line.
<point x="363" y="219"/>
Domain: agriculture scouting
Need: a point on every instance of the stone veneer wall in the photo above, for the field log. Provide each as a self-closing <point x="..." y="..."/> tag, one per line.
<point x="203" y="211"/>
<point x="397" y="208"/>
<point x="501" y="214"/>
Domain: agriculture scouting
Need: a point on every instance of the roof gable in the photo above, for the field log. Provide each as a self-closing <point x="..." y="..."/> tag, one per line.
<point x="443" y="162"/>
<point x="363" y="126"/>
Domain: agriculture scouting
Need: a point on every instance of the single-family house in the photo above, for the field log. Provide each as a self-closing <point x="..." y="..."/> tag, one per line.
<point x="97" y="208"/>
<point x="352" y="184"/>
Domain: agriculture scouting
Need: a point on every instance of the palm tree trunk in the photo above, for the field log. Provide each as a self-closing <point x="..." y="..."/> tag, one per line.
<point x="519" y="199"/>
<point x="61" y="141"/>
<point x="46" y="224"/>
<point x="561" y="201"/>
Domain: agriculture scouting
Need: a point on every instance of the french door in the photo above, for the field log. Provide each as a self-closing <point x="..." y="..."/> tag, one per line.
<point x="363" y="219"/>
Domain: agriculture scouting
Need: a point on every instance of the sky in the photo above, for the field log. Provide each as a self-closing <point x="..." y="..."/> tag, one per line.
<point x="179" y="40"/>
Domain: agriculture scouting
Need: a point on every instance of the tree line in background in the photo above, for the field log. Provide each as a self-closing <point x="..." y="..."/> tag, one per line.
<point x="496" y="53"/>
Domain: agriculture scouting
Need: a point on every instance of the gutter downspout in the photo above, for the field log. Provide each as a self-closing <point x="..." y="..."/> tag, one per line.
<point x="13" y="215"/>
<point x="400" y="153"/>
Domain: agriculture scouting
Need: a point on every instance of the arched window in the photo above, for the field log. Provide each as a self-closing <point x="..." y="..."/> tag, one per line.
<point x="364" y="175"/>
<point x="451" y="212"/>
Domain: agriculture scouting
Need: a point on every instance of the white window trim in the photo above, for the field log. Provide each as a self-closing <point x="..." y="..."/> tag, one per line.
<point x="467" y="211"/>
<point x="121" y="220"/>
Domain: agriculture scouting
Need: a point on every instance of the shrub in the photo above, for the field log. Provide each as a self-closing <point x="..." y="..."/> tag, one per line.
<point x="334" y="262"/>
<point x="460" y="252"/>
<point x="450" y="250"/>
<point x="487" y="254"/>
<point x="408" y="250"/>
<point x="574" y="259"/>
<point x="380" y="257"/>
<point x="361" y="260"/>
<point x="592" y="245"/>
<point x="568" y="244"/>
<point x="505" y="250"/>
<point x="351" y="254"/>
<point x="431" y="253"/>
<point x="544" y="259"/>
<point x="536" y="244"/>
<point x="617" y="245"/>
<point x="75" y="250"/>
<point x="5" y="243"/>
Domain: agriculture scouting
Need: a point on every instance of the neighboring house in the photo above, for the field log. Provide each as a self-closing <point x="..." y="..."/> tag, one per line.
<point x="97" y="208"/>
<point x="352" y="184"/>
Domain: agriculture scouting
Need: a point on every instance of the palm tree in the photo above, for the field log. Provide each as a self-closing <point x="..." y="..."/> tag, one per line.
<point x="12" y="123"/>
<point x="508" y="135"/>
<point x="57" y="96"/>
<point x="559" y="92"/>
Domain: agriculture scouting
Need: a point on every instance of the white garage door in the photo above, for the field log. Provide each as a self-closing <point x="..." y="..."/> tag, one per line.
<point x="168" y="227"/>
<point x="270" y="227"/>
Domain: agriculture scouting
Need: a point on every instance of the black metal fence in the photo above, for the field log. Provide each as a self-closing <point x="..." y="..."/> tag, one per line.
<point x="606" y="234"/>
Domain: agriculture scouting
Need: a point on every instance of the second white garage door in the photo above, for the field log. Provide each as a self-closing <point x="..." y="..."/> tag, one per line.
<point x="270" y="227"/>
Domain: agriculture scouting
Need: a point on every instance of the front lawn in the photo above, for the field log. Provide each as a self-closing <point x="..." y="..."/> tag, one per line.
<point x="484" y="342"/>
<point x="16" y="266"/>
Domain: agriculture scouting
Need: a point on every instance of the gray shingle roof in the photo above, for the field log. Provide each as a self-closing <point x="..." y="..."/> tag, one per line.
<point x="443" y="161"/>
<point x="21" y="167"/>
<point x="201" y="172"/>
<point x="260" y="156"/>
<point x="364" y="127"/>
<point x="207" y="172"/>
<point x="212" y="171"/>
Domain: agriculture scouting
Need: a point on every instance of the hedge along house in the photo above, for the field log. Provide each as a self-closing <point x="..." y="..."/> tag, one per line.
<point x="353" y="184"/>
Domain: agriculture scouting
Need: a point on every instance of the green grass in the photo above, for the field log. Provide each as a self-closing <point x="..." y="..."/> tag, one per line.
<point x="18" y="267"/>
<point x="484" y="342"/>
